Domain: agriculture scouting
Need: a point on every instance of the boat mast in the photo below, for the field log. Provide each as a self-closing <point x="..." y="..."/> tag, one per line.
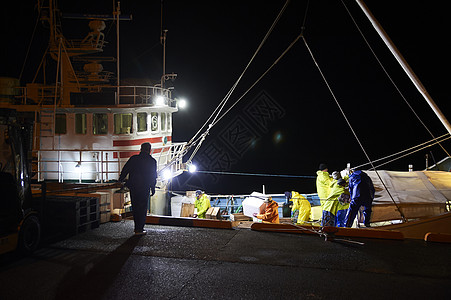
<point x="404" y="65"/>
<point x="117" y="13"/>
<point x="163" y="42"/>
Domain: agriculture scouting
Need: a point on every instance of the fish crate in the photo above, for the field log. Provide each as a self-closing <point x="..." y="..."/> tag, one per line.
<point x="213" y="213"/>
<point x="70" y="215"/>
<point x="239" y="217"/>
<point x="105" y="216"/>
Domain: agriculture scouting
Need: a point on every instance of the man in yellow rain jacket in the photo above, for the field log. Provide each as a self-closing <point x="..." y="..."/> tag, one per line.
<point x="332" y="205"/>
<point x="270" y="213"/>
<point x="301" y="204"/>
<point x="323" y="183"/>
<point x="202" y="204"/>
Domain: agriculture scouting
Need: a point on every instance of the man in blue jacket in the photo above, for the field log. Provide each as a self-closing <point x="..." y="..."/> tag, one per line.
<point x="362" y="191"/>
<point x="142" y="177"/>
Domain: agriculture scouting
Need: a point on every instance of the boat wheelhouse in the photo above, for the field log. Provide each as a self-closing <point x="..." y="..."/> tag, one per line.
<point x="86" y="122"/>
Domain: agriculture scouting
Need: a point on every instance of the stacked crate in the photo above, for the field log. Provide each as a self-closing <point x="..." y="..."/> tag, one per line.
<point x="105" y="205"/>
<point x="88" y="216"/>
<point x="70" y="215"/>
<point x="121" y="204"/>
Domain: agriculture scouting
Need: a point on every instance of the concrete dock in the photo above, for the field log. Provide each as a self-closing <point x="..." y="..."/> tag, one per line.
<point x="175" y="262"/>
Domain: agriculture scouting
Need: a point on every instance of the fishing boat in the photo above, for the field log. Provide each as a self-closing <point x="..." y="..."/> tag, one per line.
<point x="86" y="122"/>
<point x="416" y="202"/>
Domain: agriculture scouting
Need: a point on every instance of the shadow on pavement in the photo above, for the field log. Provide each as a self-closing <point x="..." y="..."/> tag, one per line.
<point x="81" y="283"/>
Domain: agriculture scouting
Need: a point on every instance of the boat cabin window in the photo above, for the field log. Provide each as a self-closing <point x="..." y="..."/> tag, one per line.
<point x="169" y="121"/>
<point x="80" y="123"/>
<point x="141" y="119"/>
<point x="154" y="121"/>
<point x="60" y="124"/>
<point x="163" y="121"/>
<point x="123" y="123"/>
<point x="100" y="123"/>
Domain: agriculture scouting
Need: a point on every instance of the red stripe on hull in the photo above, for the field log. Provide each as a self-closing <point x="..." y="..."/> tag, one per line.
<point x="120" y="143"/>
<point x="127" y="154"/>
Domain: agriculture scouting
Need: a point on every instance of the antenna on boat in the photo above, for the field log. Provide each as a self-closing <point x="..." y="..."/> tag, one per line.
<point x="415" y="80"/>
<point x="163" y="42"/>
<point x="117" y="12"/>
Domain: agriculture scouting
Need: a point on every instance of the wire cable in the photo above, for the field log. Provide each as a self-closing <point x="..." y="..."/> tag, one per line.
<point x="411" y="149"/>
<point x="255" y="174"/>
<point x="422" y="148"/>
<point x="221" y="105"/>
<point x="261" y="77"/>
<point x="31" y="41"/>
<point x="198" y="140"/>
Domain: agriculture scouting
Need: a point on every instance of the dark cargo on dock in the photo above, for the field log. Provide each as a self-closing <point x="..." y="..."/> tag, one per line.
<point x="69" y="215"/>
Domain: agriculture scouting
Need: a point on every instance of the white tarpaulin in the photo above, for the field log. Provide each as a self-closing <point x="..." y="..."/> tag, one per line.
<point x="417" y="194"/>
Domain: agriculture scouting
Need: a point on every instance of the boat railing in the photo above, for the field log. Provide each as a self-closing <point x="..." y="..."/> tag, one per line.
<point x="39" y="94"/>
<point x="91" y="42"/>
<point x="98" y="165"/>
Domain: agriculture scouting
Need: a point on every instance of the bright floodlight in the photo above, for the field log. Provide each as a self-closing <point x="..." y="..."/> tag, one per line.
<point x="182" y="103"/>
<point x="159" y="100"/>
<point x="192" y="168"/>
<point x="167" y="174"/>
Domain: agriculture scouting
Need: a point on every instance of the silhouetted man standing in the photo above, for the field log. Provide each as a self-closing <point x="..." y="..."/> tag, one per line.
<point x="142" y="177"/>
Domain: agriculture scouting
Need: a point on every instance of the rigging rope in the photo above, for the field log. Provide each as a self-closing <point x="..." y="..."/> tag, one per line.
<point x="437" y="140"/>
<point x="409" y="153"/>
<point x="261" y="77"/>
<point x="31" y="41"/>
<point x="256" y="174"/>
<point x="203" y="136"/>
<point x="390" y="78"/>
<point x="226" y="98"/>
<point x="221" y="105"/>
<point x="350" y="126"/>
<point x="41" y="64"/>
<point x="425" y="145"/>
<point x="269" y="69"/>
<point x="199" y="140"/>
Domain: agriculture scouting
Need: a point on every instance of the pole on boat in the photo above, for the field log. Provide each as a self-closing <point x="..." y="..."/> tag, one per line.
<point x="404" y="65"/>
<point x="117" y="14"/>
<point x="163" y="42"/>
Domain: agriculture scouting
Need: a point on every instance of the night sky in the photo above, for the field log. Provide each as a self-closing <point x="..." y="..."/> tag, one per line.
<point x="289" y="122"/>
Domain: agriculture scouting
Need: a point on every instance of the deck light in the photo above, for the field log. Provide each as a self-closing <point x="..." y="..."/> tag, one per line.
<point x="167" y="174"/>
<point x="182" y="103"/>
<point x="159" y="100"/>
<point x="192" y="168"/>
